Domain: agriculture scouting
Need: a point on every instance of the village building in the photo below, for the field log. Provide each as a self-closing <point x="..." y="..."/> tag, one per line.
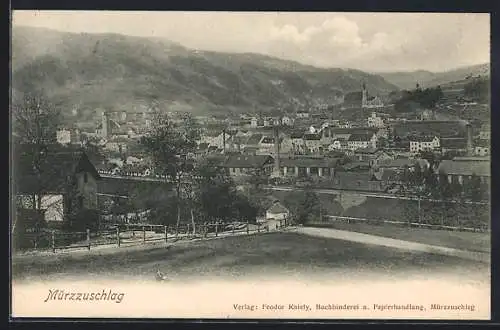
<point x="481" y="148"/>
<point x="313" y="143"/>
<point x="244" y="165"/>
<point x="63" y="136"/>
<point x="338" y="144"/>
<point x="362" y="140"/>
<point x="375" y="121"/>
<point x="67" y="184"/>
<point x="485" y="132"/>
<point x="277" y="211"/>
<point x="287" y="121"/>
<point x="267" y="145"/>
<point x="307" y="166"/>
<point x="302" y="114"/>
<point x="424" y="143"/>
<point x="461" y="169"/>
<point x="371" y="155"/>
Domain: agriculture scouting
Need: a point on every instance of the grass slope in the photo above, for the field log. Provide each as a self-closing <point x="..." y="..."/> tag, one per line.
<point x="119" y="72"/>
<point x="265" y="256"/>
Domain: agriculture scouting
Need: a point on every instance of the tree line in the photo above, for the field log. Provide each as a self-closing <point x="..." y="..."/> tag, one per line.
<point x="426" y="98"/>
<point x="202" y="190"/>
<point x="424" y="182"/>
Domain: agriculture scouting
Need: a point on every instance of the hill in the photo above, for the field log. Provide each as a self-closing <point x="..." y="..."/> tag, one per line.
<point x="116" y="72"/>
<point x="408" y="80"/>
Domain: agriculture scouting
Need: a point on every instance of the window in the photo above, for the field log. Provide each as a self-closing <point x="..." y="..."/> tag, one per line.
<point x="85" y="178"/>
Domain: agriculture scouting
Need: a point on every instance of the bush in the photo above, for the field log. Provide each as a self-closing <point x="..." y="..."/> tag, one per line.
<point x="83" y="220"/>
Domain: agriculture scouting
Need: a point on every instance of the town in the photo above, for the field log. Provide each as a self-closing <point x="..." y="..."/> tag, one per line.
<point x="378" y="150"/>
<point x="225" y="164"/>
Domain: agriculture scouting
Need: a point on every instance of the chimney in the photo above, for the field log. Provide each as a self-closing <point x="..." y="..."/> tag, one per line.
<point x="224" y="141"/>
<point x="470" y="150"/>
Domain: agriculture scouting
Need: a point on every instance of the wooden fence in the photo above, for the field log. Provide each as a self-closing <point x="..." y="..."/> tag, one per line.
<point x="335" y="218"/>
<point x="133" y="234"/>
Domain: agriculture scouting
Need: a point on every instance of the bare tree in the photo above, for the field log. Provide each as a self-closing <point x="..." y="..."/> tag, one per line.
<point x="35" y="121"/>
<point x="171" y="146"/>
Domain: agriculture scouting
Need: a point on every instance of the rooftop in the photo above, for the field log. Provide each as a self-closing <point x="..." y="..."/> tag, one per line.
<point x="248" y="161"/>
<point x="360" y="137"/>
<point x="465" y="167"/>
<point x="55" y="167"/>
<point x="277" y="207"/>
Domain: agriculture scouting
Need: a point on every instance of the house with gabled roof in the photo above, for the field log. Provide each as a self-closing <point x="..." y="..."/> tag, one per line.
<point x="240" y="165"/>
<point x="277" y="211"/>
<point x="64" y="182"/>
<point x="424" y="143"/>
<point x="362" y="140"/>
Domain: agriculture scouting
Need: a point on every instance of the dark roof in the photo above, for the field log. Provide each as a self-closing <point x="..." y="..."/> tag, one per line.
<point x="277" y="207"/>
<point x="351" y="130"/>
<point x="309" y="162"/>
<point x="402" y="162"/>
<point x="422" y="138"/>
<point x="247" y="161"/>
<point x="360" y="137"/>
<point x="57" y="165"/>
<point x="465" y="167"/>
<point x="297" y="135"/>
<point x="312" y="137"/>
<point x="369" y="150"/>
<point x="254" y="138"/>
<point x="356" y="165"/>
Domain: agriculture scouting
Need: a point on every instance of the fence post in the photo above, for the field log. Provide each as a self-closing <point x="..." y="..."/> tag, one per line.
<point x="88" y="238"/>
<point x="216" y="228"/>
<point x="234" y="225"/>
<point x="258" y="227"/>
<point x="187" y="230"/>
<point x="118" y="235"/>
<point x="165" y="231"/>
<point x="144" y="234"/>
<point x="53" y="241"/>
<point x="248" y="227"/>
<point x="267" y="227"/>
<point x="176" y="232"/>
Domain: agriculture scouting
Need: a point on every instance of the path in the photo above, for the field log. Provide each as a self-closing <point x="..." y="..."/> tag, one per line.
<point x="394" y="243"/>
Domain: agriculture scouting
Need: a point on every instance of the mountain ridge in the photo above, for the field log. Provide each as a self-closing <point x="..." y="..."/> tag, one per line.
<point x="111" y="71"/>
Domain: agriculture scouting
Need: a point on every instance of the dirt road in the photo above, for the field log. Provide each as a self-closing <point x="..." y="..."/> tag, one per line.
<point x="394" y="243"/>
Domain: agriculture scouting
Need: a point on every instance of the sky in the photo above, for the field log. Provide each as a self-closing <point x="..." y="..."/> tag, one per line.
<point x="372" y="42"/>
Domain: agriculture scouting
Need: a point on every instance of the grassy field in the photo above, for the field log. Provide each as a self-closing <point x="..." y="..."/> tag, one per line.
<point x="266" y="256"/>
<point x="479" y="242"/>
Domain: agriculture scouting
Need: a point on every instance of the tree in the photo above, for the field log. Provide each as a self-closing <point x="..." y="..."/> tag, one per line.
<point x="35" y="122"/>
<point x="171" y="147"/>
<point x="445" y="187"/>
<point x="304" y="205"/>
<point x="430" y="182"/>
<point x="218" y="198"/>
<point x="473" y="188"/>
